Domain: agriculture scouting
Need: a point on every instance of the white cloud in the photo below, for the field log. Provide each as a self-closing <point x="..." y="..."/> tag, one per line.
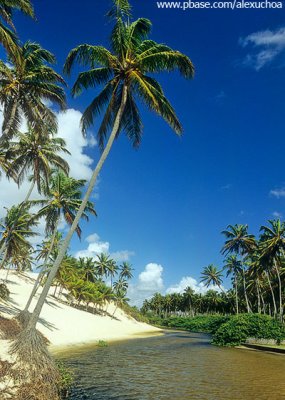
<point x="122" y="255"/>
<point x="269" y="45"/>
<point x="150" y="281"/>
<point x="277" y="214"/>
<point x="186" y="281"/>
<point x="278" y="193"/>
<point x="97" y="246"/>
<point x="69" y="130"/>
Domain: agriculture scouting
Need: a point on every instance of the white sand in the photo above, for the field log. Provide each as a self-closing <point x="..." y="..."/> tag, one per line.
<point x="64" y="325"/>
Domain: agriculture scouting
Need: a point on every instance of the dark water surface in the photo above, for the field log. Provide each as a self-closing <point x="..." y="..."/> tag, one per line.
<point x="178" y="365"/>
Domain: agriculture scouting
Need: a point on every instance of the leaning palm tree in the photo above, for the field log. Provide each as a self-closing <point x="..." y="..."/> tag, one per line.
<point x="7" y="33"/>
<point x="25" y="86"/>
<point x="211" y="275"/>
<point x="240" y="242"/>
<point x="125" y="72"/>
<point x="272" y="248"/>
<point x="62" y="200"/>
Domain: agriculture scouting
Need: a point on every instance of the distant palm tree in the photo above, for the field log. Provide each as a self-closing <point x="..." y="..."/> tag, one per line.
<point x="102" y="264"/>
<point x="272" y="247"/>
<point x="86" y="267"/>
<point x="124" y="74"/>
<point x="126" y="270"/>
<point x="239" y="241"/>
<point x="62" y="199"/>
<point x="233" y="266"/>
<point x="7" y="7"/>
<point x="25" y="86"/>
<point x="211" y="275"/>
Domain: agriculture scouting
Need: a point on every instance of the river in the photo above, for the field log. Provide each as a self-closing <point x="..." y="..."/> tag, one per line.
<point x="178" y="365"/>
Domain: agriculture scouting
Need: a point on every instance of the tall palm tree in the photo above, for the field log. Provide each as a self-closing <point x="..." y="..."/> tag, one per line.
<point x="25" y="86"/>
<point x="240" y="242"/>
<point x="62" y="200"/>
<point x="211" y="275"/>
<point x="7" y="33"/>
<point x="233" y="266"/>
<point x="123" y="72"/>
<point x="272" y="247"/>
<point x="112" y="269"/>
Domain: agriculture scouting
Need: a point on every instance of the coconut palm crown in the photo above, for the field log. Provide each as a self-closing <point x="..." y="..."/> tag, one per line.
<point x="127" y="65"/>
<point x="25" y="87"/>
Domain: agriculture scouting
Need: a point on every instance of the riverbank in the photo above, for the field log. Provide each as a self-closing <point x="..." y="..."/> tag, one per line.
<point x="66" y="326"/>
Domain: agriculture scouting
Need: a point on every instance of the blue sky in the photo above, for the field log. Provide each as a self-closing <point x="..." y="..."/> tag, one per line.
<point x="167" y="202"/>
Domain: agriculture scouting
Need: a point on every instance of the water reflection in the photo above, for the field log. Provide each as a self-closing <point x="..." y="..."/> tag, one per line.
<point x="177" y="366"/>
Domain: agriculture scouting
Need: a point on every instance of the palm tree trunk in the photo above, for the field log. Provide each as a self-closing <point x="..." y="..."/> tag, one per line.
<point x="41" y="273"/>
<point x="245" y="292"/>
<point x="62" y="250"/>
<point x="280" y="291"/>
<point x="272" y="293"/>
<point x="4" y="245"/>
<point x="258" y="297"/>
<point x="236" y="293"/>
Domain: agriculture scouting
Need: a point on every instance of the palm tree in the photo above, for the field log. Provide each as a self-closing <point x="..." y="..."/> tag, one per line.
<point x="62" y="200"/>
<point x="272" y="248"/>
<point x="112" y="269"/>
<point x="239" y="241"/>
<point x="233" y="266"/>
<point x="123" y="72"/>
<point x="86" y="267"/>
<point x="126" y="270"/>
<point x="211" y="275"/>
<point x="102" y="264"/>
<point x="7" y="36"/>
<point x="16" y="231"/>
<point x="25" y="86"/>
<point x="37" y="153"/>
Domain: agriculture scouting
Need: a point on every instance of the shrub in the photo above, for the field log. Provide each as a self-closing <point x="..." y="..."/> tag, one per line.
<point x="199" y="323"/>
<point x="238" y="328"/>
<point x="66" y="379"/>
<point x="4" y="292"/>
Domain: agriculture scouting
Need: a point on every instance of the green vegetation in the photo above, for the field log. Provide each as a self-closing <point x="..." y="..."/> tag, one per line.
<point x="238" y="328"/>
<point x="227" y="330"/>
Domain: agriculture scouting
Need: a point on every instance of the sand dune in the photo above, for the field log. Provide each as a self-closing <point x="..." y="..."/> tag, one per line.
<point x="64" y="325"/>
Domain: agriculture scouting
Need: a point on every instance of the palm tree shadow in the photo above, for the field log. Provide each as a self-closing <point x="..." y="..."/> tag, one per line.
<point x="47" y="324"/>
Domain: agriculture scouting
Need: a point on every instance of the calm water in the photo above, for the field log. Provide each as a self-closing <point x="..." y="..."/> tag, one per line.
<point x="178" y="366"/>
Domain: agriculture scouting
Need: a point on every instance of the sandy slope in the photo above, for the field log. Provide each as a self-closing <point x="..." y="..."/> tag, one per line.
<point x="64" y="325"/>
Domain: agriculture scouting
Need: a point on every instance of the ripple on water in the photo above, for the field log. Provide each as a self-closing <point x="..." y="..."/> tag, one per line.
<point x="176" y="366"/>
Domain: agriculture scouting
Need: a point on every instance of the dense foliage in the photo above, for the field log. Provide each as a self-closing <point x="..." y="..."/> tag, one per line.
<point x="238" y="328"/>
<point x="227" y="330"/>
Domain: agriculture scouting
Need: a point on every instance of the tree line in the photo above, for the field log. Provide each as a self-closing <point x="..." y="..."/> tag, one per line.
<point x="255" y="267"/>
